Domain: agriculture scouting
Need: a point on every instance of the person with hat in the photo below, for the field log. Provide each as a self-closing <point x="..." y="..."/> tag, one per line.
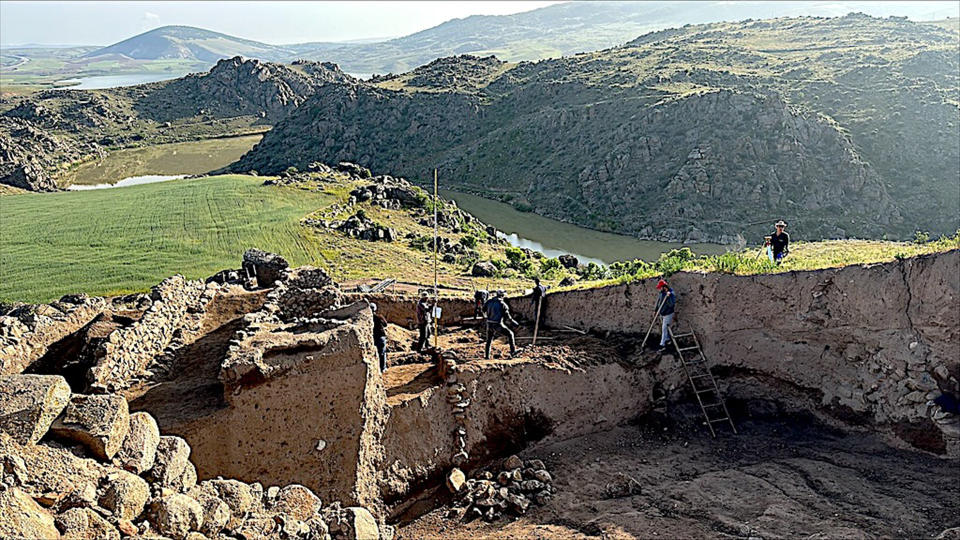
<point x="497" y="311"/>
<point x="538" y="297"/>
<point x="780" y="242"/>
<point x="667" y="305"/>
<point x="380" y="336"/>
<point x="423" y="321"/>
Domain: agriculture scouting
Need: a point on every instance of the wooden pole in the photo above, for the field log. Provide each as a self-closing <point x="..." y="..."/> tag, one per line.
<point x="654" y="321"/>
<point x="436" y="245"/>
<point x="536" y="324"/>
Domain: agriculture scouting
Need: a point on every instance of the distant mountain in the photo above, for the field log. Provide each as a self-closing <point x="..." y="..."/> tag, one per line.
<point x="845" y="127"/>
<point x="189" y="43"/>
<point x="549" y="32"/>
<point x="570" y="28"/>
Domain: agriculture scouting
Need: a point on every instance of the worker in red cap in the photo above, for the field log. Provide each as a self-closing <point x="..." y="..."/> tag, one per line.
<point x="667" y="305"/>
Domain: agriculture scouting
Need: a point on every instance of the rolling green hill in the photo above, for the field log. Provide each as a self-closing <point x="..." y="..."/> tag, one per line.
<point x="845" y="127"/>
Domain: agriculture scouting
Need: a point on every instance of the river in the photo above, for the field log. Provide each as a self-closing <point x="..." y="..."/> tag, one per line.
<point x="552" y="237"/>
<point x="171" y="161"/>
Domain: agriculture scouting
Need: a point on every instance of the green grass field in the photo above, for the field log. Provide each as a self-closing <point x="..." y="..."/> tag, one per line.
<point x="127" y="239"/>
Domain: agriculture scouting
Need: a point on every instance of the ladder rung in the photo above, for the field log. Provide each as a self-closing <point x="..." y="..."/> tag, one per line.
<point x="720" y="419"/>
<point x="688" y="348"/>
<point x="713" y="405"/>
<point x="707" y="391"/>
<point x="701" y="376"/>
<point x="678" y="336"/>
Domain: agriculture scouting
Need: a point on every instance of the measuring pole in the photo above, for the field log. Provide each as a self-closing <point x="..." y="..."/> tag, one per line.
<point x="536" y="325"/>
<point x="436" y="245"/>
<point x="653" y="322"/>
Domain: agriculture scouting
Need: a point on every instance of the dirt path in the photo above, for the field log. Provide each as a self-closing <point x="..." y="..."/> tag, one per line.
<point x="781" y="478"/>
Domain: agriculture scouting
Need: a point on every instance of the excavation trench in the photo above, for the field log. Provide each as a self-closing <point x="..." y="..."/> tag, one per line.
<point x="859" y="349"/>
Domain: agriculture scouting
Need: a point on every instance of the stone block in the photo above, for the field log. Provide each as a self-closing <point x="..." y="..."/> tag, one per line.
<point x="30" y="403"/>
<point x="99" y="422"/>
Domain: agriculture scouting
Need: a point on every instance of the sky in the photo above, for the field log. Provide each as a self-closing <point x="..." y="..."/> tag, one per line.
<point x="103" y="23"/>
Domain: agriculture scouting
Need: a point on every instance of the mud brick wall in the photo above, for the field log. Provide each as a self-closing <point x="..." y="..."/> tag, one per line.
<point x="25" y="338"/>
<point x="871" y="344"/>
<point x="128" y="351"/>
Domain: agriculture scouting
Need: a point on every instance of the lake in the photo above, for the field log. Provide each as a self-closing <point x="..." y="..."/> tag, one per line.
<point x="100" y="82"/>
<point x="552" y="237"/>
<point x="161" y="160"/>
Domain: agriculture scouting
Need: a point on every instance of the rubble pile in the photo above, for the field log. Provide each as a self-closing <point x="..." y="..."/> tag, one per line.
<point x="83" y="466"/>
<point x="510" y="491"/>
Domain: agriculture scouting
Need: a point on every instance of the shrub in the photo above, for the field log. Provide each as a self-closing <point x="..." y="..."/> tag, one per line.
<point x="523" y="207"/>
<point x="920" y="237"/>
<point x="469" y="241"/>
<point x="593" y="271"/>
<point x="674" y="260"/>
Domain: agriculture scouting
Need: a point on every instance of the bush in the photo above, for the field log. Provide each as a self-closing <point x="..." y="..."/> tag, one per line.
<point x="921" y="237"/>
<point x="518" y="260"/>
<point x="523" y="207"/>
<point x="548" y="265"/>
<point x="733" y="263"/>
<point x="593" y="271"/>
<point x="674" y="260"/>
<point x="469" y="241"/>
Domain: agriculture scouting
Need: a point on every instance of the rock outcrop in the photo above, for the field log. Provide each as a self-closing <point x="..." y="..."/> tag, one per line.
<point x="49" y="129"/>
<point x="625" y="140"/>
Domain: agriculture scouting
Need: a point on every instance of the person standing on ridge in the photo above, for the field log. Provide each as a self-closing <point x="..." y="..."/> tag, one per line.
<point x="497" y="310"/>
<point x="538" y="297"/>
<point x="423" y="322"/>
<point x="380" y="336"/>
<point x="667" y="305"/>
<point x="780" y="242"/>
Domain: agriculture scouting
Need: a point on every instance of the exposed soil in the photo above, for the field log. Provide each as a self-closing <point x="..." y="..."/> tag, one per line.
<point x="781" y="477"/>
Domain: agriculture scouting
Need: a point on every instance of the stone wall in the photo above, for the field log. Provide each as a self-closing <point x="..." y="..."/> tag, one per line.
<point x="28" y="331"/>
<point x="873" y="344"/>
<point x="128" y="351"/>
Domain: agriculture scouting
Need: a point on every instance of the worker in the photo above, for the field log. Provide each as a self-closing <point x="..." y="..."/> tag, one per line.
<point x="538" y="297"/>
<point x="498" y="313"/>
<point x="380" y="336"/>
<point x="480" y="298"/>
<point x="667" y="304"/>
<point x="423" y="322"/>
<point x="780" y="242"/>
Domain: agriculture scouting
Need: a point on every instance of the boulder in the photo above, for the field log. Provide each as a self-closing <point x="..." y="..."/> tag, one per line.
<point x="176" y="515"/>
<point x="216" y="513"/>
<point x="297" y="502"/>
<point x="268" y="267"/>
<point x="30" y="403"/>
<point x="568" y="261"/>
<point x="173" y="456"/>
<point x="238" y="496"/>
<point x="512" y="462"/>
<point x="353" y="169"/>
<point x="139" y="448"/>
<point x="125" y="494"/>
<point x="22" y="517"/>
<point x="483" y="269"/>
<point x="100" y="423"/>
<point x="52" y="474"/>
<point x="85" y="524"/>
<point x="455" y="480"/>
<point x="363" y="525"/>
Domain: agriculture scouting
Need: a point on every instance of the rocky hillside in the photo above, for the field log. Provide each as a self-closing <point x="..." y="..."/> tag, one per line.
<point x="842" y="126"/>
<point x="235" y="96"/>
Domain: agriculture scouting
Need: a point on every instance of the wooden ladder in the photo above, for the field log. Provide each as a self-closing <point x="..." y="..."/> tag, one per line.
<point x="702" y="381"/>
